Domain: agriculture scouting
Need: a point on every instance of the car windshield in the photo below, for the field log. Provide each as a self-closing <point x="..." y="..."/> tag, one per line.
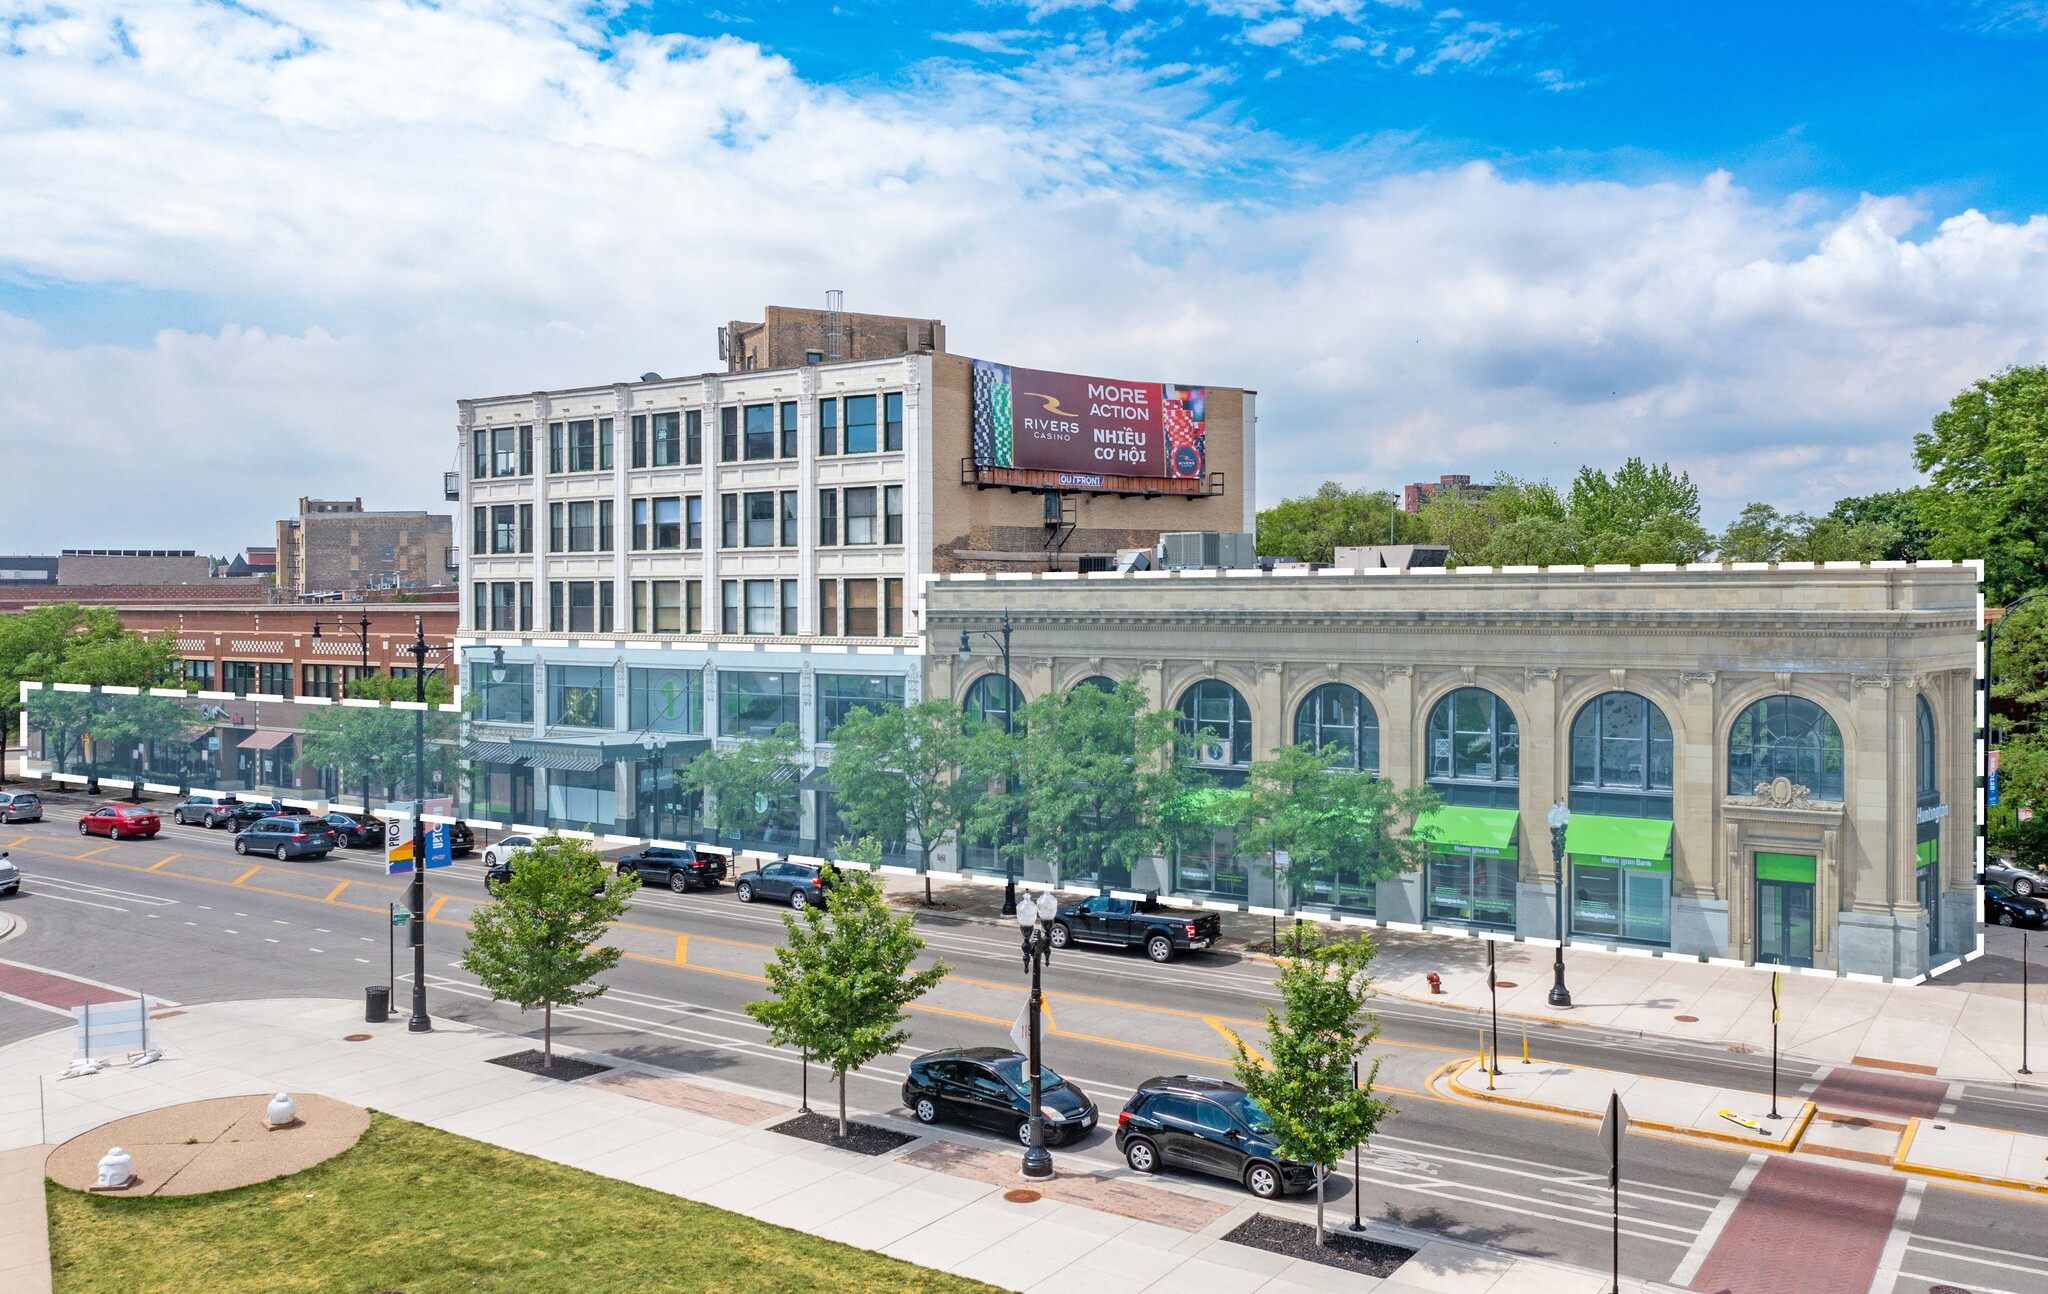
<point x="1248" y="1112"/>
<point x="1012" y="1071"/>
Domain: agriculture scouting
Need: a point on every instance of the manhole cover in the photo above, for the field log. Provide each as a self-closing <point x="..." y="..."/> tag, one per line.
<point x="1687" y="1019"/>
<point x="1504" y="983"/>
<point x="357" y="1037"/>
<point x="1022" y="1196"/>
<point x="1947" y="1289"/>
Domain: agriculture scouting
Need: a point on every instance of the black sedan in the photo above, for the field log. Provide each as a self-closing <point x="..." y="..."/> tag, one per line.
<point x="2002" y="907"/>
<point x="990" y="1087"/>
<point x="356" y="833"/>
<point x="1207" y="1125"/>
<point x="797" y="884"/>
<point x="679" y="869"/>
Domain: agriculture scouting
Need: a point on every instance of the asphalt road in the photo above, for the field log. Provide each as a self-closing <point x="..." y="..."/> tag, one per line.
<point x="183" y="918"/>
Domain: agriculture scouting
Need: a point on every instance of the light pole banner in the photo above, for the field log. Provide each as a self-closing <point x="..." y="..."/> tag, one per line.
<point x="397" y="845"/>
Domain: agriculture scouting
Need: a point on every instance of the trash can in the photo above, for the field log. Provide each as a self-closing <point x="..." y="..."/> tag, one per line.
<point x="377" y="1003"/>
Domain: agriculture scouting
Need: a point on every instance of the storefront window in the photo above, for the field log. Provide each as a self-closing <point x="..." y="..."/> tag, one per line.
<point x="1473" y="890"/>
<point x="839" y="695"/>
<point x="985" y="700"/>
<point x="1475" y="749"/>
<point x="1214" y="715"/>
<point x="752" y="704"/>
<point x="665" y="700"/>
<point x="1212" y="867"/>
<point x="510" y="701"/>
<point x="1622" y="899"/>
<point x="580" y="696"/>
<point x="1337" y="714"/>
<point x="1789" y="737"/>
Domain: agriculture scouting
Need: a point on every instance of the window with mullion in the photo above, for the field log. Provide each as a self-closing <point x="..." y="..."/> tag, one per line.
<point x="828" y="428"/>
<point x="693" y="437"/>
<point x="787" y="413"/>
<point x="760" y="512"/>
<point x="892" y="514"/>
<point x="860" y="424"/>
<point x="860" y="515"/>
<point x="828" y="518"/>
<point x="667" y="447"/>
<point x="761" y="606"/>
<point x="892" y="421"/>
<point x="760" y="432"/>
<point x="668" y="523"/>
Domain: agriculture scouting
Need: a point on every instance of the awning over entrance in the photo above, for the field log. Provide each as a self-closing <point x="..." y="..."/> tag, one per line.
<point x="493" y="752"/>
<point x="1456" y="829"/>
<point x="562" y="759"/>
<point x="266" y="739"/>
<point x="1622" y="841"/>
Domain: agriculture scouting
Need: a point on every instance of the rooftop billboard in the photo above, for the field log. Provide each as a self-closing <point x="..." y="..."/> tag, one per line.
<point x="1060" y="422"/>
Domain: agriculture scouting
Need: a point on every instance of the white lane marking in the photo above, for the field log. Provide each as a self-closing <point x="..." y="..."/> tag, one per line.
<point x="40" y="1006"/>
<point x="267" y="939"/>
<point x="316" y="950"/>
<point x="1973" y="1255"/>
<point x="100" y="891"/>
<point x="60" y="898"/>
<point x="274" y="921"/>
<point x="1717" y="1221"/>
<point x="364" y="960"/>
<point x="1974" y="1287"/>
<point x="1890" y="1264"/>
<point x="232" y="932"/>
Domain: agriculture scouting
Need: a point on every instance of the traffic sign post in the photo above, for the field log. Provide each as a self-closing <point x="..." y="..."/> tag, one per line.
<point x="1612" y="1129"/>
<point x="399" y="918"/>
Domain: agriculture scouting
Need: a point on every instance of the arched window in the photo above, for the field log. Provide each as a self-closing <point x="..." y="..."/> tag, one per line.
<point x="1100" y="682"/>
<point x="1929" y="792"/>
<point x="1473" y="738"/>
<point x="1621" y="741"/>
<point x="986" y="702"/>
<point x="1789" y="737"/>
<point x="1215" y="708"/>
<point x="1337" y="714"/>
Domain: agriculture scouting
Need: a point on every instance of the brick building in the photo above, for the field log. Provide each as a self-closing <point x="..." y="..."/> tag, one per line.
<point x="87" y="566"/>
<point x="1414" y="497"/>
<point x="333" y="545"/>
<point x="793" y="336"/>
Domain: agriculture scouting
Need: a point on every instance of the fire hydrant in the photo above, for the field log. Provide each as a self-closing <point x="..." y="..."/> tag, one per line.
<point x="1436" y="982"/>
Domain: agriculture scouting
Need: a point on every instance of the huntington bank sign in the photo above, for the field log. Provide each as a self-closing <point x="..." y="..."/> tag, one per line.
<point x="1087" y="426"/>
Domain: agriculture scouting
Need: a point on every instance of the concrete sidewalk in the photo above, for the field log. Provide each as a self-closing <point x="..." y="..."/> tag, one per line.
<point x="1985" y="1156"/>
<point x="938" y="1202"/>
<point x="1733" y="1115"/>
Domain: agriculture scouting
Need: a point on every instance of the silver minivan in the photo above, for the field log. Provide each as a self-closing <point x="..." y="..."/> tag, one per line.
<point x="20" y="806"/>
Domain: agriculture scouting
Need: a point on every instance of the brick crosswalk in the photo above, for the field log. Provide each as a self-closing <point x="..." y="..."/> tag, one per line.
<point x="50" y="989"/>
<point x="1804" y="1228"/>
<point x="1893" y="1096"/>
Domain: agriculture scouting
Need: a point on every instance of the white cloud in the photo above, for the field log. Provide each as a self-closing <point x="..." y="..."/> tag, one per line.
<point x="476" y="198"/>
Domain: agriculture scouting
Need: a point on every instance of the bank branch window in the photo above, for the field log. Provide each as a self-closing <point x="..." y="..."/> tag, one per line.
<point x="1214" y="715"/>
<point x="1337" y="714"/>
<point x="1788" y="737"/>
<point x="1473" y="889"/>
<point x="1475" y="748"/>
<point x="985" y="700"/>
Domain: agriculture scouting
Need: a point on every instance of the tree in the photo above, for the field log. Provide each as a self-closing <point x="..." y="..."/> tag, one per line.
<point x="1323" y="1026"/>
<point x="392" y="687"/>
<point x="374" y="745"/>
<point x="842" y="978"/>
<point x="1643" y="514"/>
<point x="1313" y="527"/>
<point x="896" y="774"/>
<point x="749" y="783"/>
<point x="1898" y="509"/>
<point x="1337" y="826"/>
<point x="62" y="642"/>
<point x="538" y="944"/>
<point x="1760" y="534"/>
<point x="1468" y="521"/>
<point x="1988" y="456"/>
<point x="1763" y="534"/>
<point x="1088" y="764"/>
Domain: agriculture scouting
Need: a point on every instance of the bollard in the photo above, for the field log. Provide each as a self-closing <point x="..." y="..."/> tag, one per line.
<point x="1525" y="1048"/>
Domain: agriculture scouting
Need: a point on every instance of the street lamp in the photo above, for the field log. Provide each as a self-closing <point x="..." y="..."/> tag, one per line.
<point x="362" y="628"/>
<point x="656" y="746"/>
<point x="419" y="1023"/>
<point x="1559" y="818"/>
<point x="1001" y="638"/>
<point x="497" y="665"/>
<point x="1034" y="918"/>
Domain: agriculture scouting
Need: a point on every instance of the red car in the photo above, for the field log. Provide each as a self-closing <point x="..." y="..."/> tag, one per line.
<point x="120" y="822"/>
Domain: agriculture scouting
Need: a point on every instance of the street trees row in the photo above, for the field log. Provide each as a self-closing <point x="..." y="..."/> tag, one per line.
<point x="62" y="642"/>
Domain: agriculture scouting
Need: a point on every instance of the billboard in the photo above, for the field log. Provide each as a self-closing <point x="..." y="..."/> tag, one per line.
<point x="1087" y="427"/>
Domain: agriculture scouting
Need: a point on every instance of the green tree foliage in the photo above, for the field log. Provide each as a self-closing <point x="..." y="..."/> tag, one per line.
<point x="1321" y="1030"/>
<point x="1988" y="456"/>
<point x="896" y="772"/>
<point x="1468" y="522"/>
<point x="62" y="642"/>
<point x="1313" y="527"/>
<point x="1763" y="534"/>
<point x="1088" y="764"/>
<point x="748" y="783"/>
<point x="389" y="687"/>
<point x="841" y="980"/>
<point x="1643" y="514"/>
<point x="539" y="943"/>
<point x="1336" y="825"/>
<point x="1897" y="509"/>
<point x="376" y="743"/>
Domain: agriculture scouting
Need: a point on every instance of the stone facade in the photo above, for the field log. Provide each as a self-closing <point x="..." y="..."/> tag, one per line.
<point x="80" y="567"/>
<point x="1873" y="667"/>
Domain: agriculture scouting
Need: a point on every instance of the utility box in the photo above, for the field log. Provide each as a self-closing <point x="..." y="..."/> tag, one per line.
<point x="1207" y="550"/>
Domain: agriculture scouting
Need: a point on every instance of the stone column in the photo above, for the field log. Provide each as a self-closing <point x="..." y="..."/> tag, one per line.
<point x="1542" y="785"/>
<point x="1877" y="918"/>
<point x="622" y="507"/>
<point x="1703" y="874"/>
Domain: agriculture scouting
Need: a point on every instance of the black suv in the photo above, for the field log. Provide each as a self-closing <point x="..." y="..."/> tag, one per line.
<point x="1210" y="1126"/>
<point x="991" y="1088"/>
<point x="1136" y="923"/>
<point x="356" y="832"/>
<point x="679" y="869"/>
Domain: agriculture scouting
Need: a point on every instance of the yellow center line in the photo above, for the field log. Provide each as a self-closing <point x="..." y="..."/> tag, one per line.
<point x="243" y="877"/>
<point x="101" y="850"/>
<point x="335" y="893"/>
<point x="682" y="950"/>
<point x="436" y="909"/>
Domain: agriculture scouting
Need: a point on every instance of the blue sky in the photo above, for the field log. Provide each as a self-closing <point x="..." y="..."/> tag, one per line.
<point x="1764" y="242"/>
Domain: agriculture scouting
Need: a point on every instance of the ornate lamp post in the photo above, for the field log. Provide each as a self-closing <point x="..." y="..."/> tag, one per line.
<point x="417" y="894"/>
<point x="1001" y="637"/>
<point x="656" y="746"/>
<point x="1034" y="919"/>
<point x="362" y="628"/>
<point x="1559" y="818"/>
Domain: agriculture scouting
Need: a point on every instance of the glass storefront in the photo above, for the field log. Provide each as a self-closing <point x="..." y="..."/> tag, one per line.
<point x="1784" y="909"/>
<point x="1471" y="879"/>
<point x="1620" y="878"/>
<point x="585" y="801"/>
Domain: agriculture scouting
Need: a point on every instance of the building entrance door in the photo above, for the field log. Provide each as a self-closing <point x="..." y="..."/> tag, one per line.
<point x="1784" y="909"/>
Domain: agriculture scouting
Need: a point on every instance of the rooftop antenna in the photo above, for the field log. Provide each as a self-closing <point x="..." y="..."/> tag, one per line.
<point x="835" y="325"/>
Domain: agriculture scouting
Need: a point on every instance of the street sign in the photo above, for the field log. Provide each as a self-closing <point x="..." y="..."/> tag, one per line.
<point x="400" y="916"/>
<point x="1611" y="1129"/>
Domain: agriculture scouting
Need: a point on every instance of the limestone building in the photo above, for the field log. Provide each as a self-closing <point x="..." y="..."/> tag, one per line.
<point x="1772" y="765"/>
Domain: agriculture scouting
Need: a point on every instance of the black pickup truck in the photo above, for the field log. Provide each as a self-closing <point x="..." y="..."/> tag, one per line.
<point x="1136" y="923"/>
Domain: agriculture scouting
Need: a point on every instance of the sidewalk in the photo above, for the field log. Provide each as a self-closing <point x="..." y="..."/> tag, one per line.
<point x="937" y="1202"/>
<point x="1688" y="1109"/>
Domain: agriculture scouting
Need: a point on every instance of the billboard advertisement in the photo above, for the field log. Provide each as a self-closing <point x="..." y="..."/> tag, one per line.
<point x="1087" y="426"/>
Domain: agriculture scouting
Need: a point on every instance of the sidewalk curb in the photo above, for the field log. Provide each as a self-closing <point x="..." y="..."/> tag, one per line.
<point x="1902" y="1165"/>
<point x="10" y="926"/>
<point x="1787" y="1146"/>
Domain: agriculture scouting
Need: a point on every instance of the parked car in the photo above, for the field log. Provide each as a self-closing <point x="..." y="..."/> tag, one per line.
<point x="121" y="822"/>
<point x="1136" y="923"/>
<point x="10" y="875"/>
<point x="797" y="884"/>
<point x="356" y="832"/>
<point x="461" y="840"/>
<point x="501" y="851"/>
<point x="20" y="806"/>
<point x="285" y="838"/>
<point x="2003" y="907"/>
<point x="679" y="869"/>
<point x="2023" y="881"/>
<point x="990" y="1087"/>
<point x="204" y="809"/>
<point x="1206" y="1125"/>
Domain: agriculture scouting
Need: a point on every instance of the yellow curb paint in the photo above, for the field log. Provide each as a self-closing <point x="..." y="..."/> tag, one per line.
<point x="1901" y="1162"/>
<point x="245" y="876"/>
<point x="682" y="950"/>
<point x="1790" y="1143"/>
<point x="335" y="893"/>
<point x="1236" y="1041"/>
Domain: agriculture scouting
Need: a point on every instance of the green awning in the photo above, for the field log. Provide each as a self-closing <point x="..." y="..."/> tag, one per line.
<point x="1455" y="829"/>
<point x="1622" y="841"/>
<point x="1797" y="868"/>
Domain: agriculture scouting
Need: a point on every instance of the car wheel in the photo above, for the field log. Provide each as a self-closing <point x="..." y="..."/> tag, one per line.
<point x="926" y="1110"/>
<point x="1024" y="1132"/>
<point x="2023" y="887"/>
<point x="208" y="822"/>
<point x="799" y="900"/>
<point x="679" y="882"/>
<point x="283" y="853"/>
<point x="1141" y="1156"/>
<point x="113" y="833"/>
<point x="84" y="830"/>
<point x="241" y="845"/>
<point x="1159" y="948"/>
<point x="2005" y="918"/>
<point x="1262" y="1180"/>
<point x="743" y="892"/>
<point x="1060" y="934"/>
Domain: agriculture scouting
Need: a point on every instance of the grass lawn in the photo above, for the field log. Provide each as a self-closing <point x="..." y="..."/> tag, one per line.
<point x="414" y="1209"/>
